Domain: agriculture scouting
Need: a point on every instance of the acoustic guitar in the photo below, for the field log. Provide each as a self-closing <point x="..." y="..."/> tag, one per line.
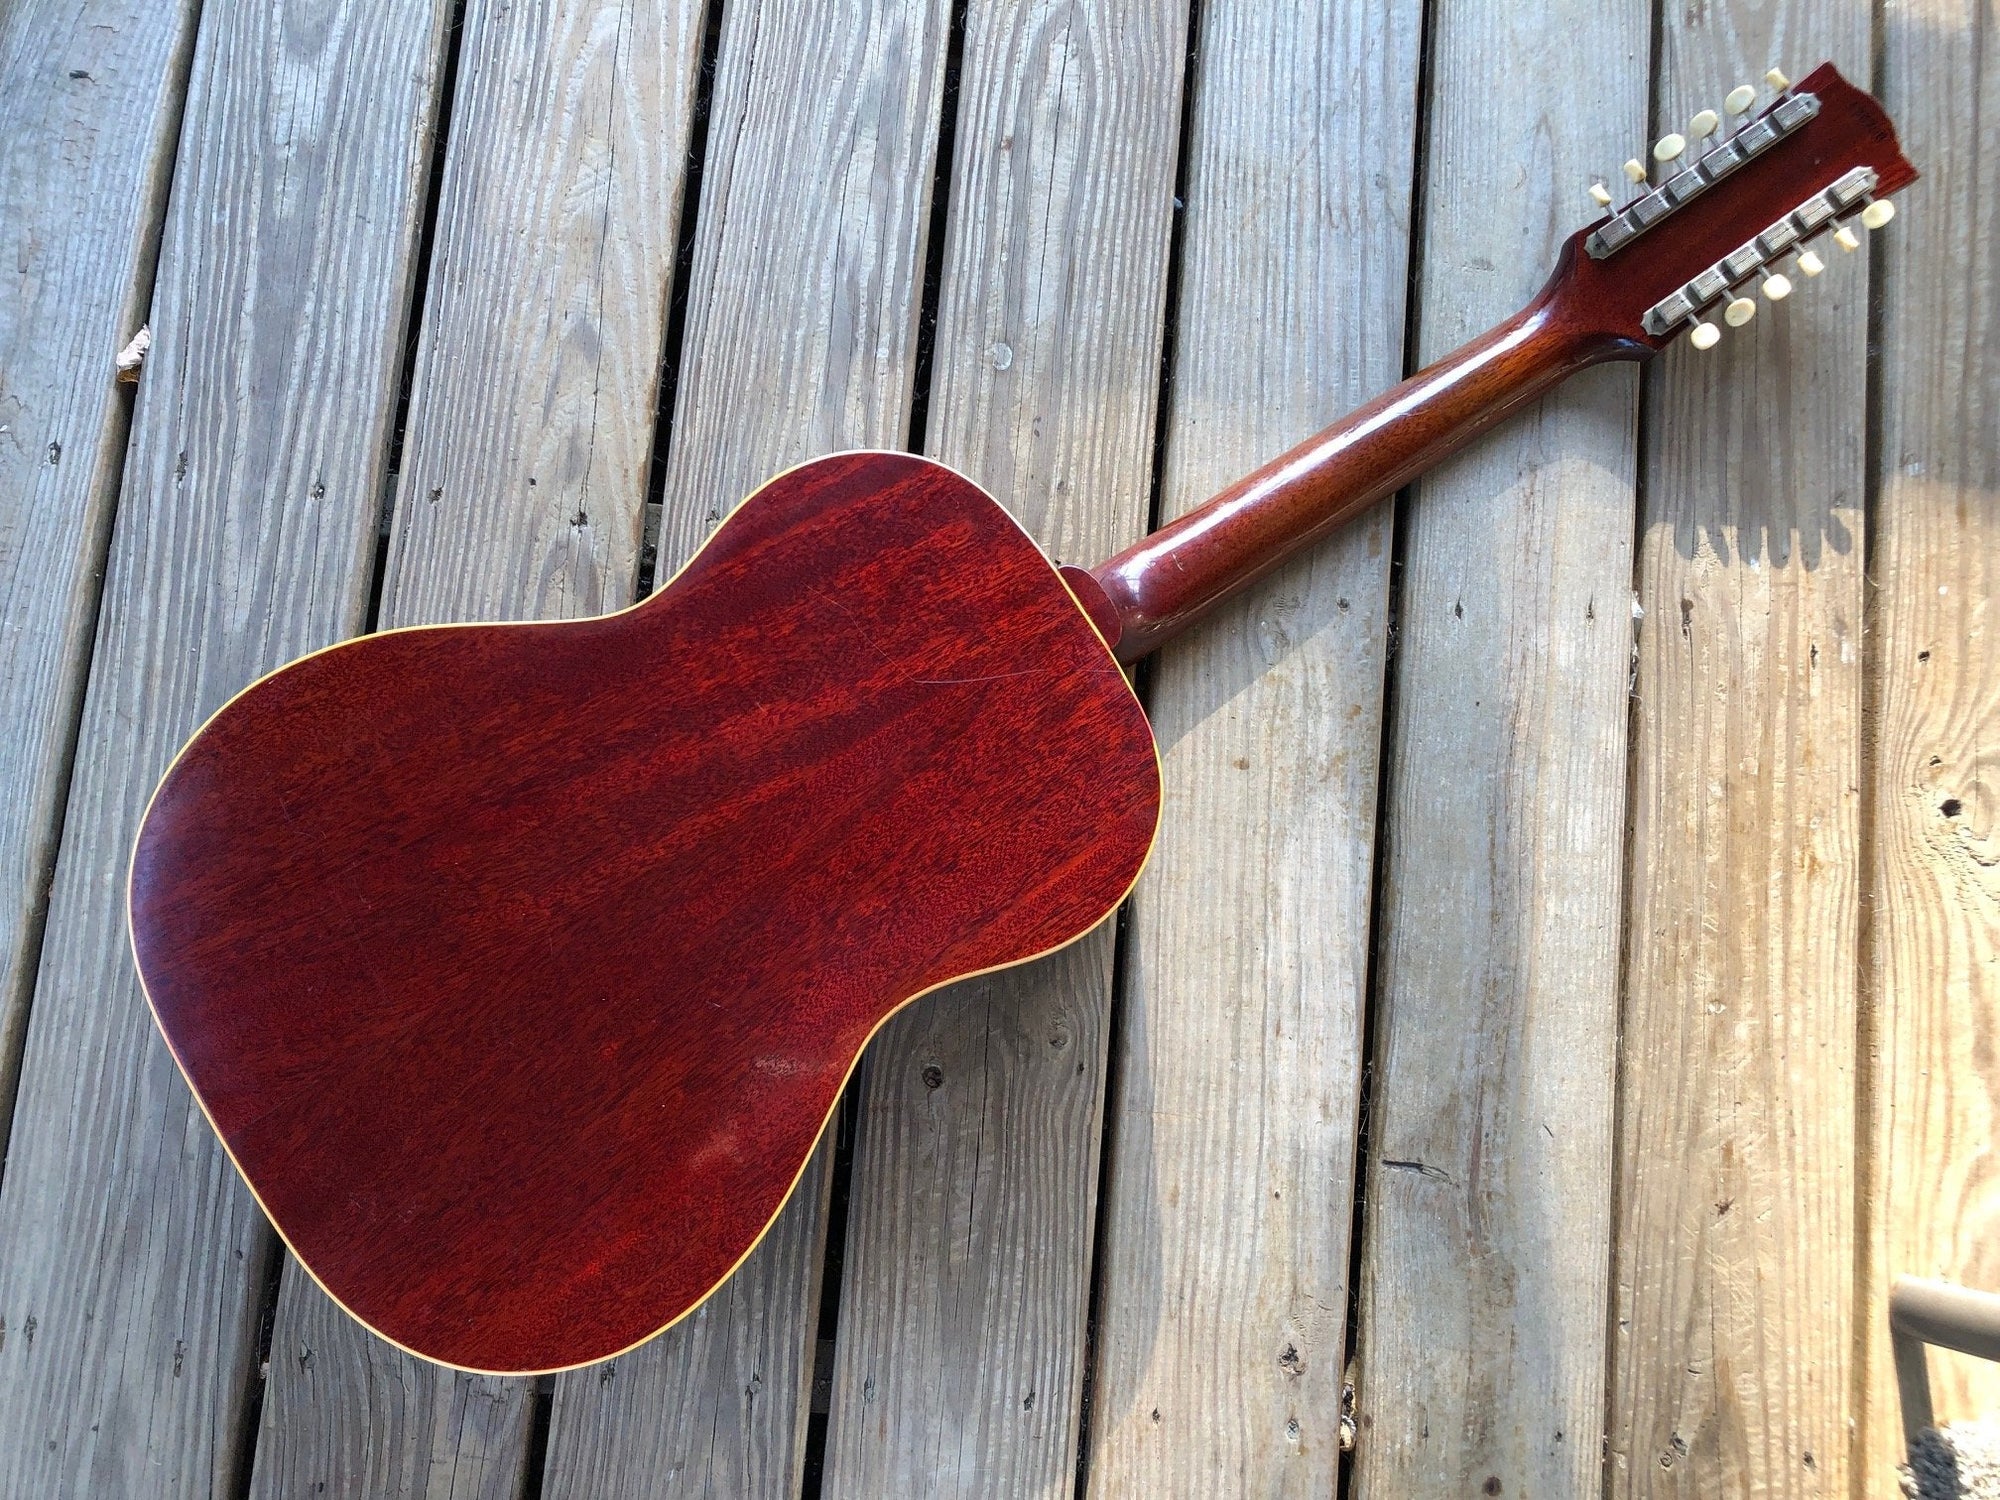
<point x="519" y="967"/>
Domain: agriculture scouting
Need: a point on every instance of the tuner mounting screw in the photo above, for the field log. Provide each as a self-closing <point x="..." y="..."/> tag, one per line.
<point x="1777" y="286"/>
<point x="1635" y="170"/>
<point x="1739" y="312"/>
<point x="1702" y="126"/>
<point x="1600" y="195"/>
<point x="1878" y="213"/>
<point x="1669" y="147"/>
<point x="1846" y="238"/>
<point x="1740" y="98"/>
<point x="1810" y="263"/>
<point x="1705" y="336"/>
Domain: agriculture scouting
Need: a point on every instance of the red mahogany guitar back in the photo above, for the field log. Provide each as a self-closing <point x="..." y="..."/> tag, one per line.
<point x="557" y="942"/>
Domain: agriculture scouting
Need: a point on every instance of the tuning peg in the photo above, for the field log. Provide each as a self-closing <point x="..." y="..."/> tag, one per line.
<point x="1878" y="213"/>
<point x="1702" y="126"/>
<point x="1668" y="147"/>
<point x="1600" y="195"/>
<point x="1739" y="312"/>
<point x="1777" y="287"/>
<point x="1635" y="170"/>
<point x="1846" y="238"/>
<point x="1740" y="98"/>
<point x="1777" y="80"/>
<point x="1704" y="335"/>
<point x="1810" y="263"/>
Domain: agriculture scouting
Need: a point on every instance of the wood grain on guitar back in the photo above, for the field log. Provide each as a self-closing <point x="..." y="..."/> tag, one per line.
<point x="521" y="1100"/>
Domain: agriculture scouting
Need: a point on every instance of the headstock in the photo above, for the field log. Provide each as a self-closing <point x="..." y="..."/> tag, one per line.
<point x="1743" y="196"/>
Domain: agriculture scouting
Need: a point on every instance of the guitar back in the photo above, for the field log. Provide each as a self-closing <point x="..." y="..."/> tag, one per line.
<point x="520" y="966"/>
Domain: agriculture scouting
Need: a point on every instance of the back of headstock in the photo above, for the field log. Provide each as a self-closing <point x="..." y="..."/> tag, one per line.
<point x="1724" y="207"/>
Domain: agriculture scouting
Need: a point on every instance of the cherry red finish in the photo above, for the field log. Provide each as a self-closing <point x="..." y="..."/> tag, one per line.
<point x="1589" y="311"/>
<point x="519" y="966"/>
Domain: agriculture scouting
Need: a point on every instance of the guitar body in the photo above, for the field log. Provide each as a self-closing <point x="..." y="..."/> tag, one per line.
<point x="520" y="966"/>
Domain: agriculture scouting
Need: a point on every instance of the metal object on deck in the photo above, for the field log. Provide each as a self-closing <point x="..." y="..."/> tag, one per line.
<point x="1935" y="1312"/>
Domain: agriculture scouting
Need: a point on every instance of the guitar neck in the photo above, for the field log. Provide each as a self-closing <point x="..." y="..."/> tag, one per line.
<point x="1167" y="581"/>
<point x="1820" y="158"/>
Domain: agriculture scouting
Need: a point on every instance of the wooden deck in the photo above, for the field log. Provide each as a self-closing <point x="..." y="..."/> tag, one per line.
<point x="1567" y="987"/>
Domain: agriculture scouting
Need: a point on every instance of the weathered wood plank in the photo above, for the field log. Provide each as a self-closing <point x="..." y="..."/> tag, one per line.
<point x="1487" y="1202"/>
<point x="958" y="1369"/>
<point x="532" y="411"/>
<point x="800" y="340"/>
<point x="1222" y="1316"/>
<point x="958" y="1365"/>
<point x="808" y="266"/>
<point x="1733" y="1354"/>
<point x="130" y="1254"/>
<point x="521" y="496"/>
<point x="90" y="101"/>
<point x="343" y="1419"/>
<point x="1932" y="920"/>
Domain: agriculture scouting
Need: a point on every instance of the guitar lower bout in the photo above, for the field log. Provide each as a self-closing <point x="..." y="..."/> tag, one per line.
<point x="520" y="967"/>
